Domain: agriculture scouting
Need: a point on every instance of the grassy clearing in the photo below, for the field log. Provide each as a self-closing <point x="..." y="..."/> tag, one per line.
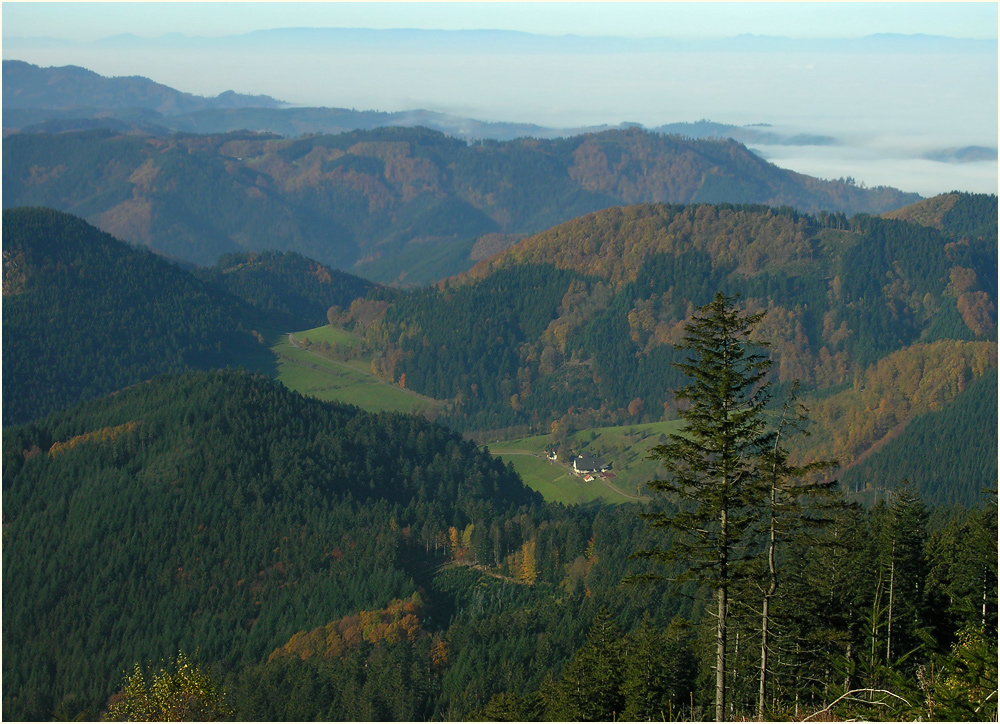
<point x="626" y="447"/>
<point x="324" y="379"/>
<point x="556" y="483"/>
<point x="329" y="335"/>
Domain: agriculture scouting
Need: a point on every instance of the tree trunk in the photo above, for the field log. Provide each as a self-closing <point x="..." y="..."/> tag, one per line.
<point x="734" y="687"/>
<point x="720" y="642"/>
<point x="986" y="588"/>
<point x="772" y="566"/>
<point x="763" y="660"/>
<point x="847" y="676"/>
<point x="766" y="608"/>
<point x="720" y="657"/>
<point x="892" y="576"/>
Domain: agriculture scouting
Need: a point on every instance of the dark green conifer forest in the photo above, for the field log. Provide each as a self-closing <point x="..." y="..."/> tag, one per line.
<point x="84" y="315"/>
<point x="218" y="514"/>
<point x="185" y="537"/>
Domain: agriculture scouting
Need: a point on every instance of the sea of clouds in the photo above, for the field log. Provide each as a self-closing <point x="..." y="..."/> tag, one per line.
<point x="888" y="104"/>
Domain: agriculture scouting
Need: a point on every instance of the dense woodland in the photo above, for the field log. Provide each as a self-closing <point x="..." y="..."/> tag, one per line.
<point x="323" y="562"/>
<point x="392" y="204"/>
<point x="881" y="320"/>
<point x="294" y="292"/>
<point x="299" y="560"/>
<point x="85" y="315"/>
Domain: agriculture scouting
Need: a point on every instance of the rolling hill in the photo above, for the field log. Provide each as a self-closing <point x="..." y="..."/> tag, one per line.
<point x="293" y="291"/>
<point x="85" y="314"/>
<point x="214" y="511"/>
<point x="881" y="320"/>
<point x="396" y="205"/>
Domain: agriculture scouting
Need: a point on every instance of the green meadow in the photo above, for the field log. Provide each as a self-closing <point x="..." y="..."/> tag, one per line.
<point x="557" y="483"/>
<point x="317" y="376"/>
<point x="625" y="447"/>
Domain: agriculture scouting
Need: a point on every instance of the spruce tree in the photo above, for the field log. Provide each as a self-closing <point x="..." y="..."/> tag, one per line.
<point x="904" y="540"/>
<point x="589" y="687"/>
<point x="659" y="673"/>
<point x="799" y="502"/>
<point x="713" y="465"/>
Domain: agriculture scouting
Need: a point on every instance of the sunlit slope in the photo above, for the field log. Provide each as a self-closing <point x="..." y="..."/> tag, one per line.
<point x="394" y="204"/>
<point x="306" y="363"/>
<point x="578" y="326"/>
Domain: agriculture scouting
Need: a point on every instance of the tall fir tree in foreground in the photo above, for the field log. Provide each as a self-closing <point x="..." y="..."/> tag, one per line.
<point x="713" y="465"/>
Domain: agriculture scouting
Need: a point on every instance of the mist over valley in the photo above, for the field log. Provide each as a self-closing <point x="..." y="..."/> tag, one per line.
<point x="499" y="362"/>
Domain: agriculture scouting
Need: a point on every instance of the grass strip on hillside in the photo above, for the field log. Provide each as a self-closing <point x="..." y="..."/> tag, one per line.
<point x="556" y="483"/>
<point x="316" y="376"/>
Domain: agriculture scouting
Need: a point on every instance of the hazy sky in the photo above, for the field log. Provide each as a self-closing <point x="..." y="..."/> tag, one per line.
<point x="886" y="108"/>
<point x="89" y="21"/>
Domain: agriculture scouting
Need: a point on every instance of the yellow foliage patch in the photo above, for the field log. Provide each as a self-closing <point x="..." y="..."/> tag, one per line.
<point x="614" y="243"/>
<point x="130" y="220"/>
<point x="104" y="435"/>
<point x="893" y="391"/>
<point x="929" y="212"/>
<point x="15" y="272"/>
<point x="398" y="621"/>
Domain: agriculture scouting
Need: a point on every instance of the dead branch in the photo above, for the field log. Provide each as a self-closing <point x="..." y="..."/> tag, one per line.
<point x="850" y="695"/>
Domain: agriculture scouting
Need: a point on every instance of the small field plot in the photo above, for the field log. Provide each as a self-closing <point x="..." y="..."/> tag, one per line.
<point x="331" y="338"/>
<point x="556" y="483"/>
<point x="328" y="334"/>
<point x="313" y="375"/>
<point x="625" y="448"/>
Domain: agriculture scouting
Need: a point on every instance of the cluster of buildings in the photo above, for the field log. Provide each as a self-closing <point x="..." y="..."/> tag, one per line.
<point x="586" y="466"/>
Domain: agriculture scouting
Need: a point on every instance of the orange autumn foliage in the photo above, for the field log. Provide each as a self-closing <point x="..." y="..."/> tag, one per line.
<point x="398" y="621"/>
<point x="104" y="435"/>
<point x="889" y="394"/>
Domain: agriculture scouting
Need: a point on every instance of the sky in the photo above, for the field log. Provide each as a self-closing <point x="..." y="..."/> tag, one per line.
<point x="886" y="109"/>
<point x="90" y="21"/>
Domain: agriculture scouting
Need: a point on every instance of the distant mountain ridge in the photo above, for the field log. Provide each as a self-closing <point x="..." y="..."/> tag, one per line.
<point x="54" y="100"/>
<point x="489" y="40"/>
<point x="394" y="205"/>
<point x="74" y="88"/>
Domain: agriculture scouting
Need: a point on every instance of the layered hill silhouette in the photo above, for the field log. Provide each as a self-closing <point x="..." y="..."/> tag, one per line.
<point x="85" y="314"/>
<point x="881" y="320"/>
<point x="77" y="90"/>
<point x="394" y="205"/>
<point x="57" y="99"/>
<point x="218" y="512"/>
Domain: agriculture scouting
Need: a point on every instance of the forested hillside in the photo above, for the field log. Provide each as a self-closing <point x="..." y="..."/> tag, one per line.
<point x="393" y="204"/>
<point x="214" y="511"/>
<point x="320" y="562"/>
<point x="881" y="320"/>
<point x="293" y="291"/>
<point x="85" y="314"/>
<point x="956" y="443"/>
